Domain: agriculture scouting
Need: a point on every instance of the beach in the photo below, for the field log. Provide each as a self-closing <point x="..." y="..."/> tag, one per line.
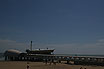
<point x="41" y="65"/>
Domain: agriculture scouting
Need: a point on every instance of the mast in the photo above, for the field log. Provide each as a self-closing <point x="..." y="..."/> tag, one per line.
<point x="31" y="46"/>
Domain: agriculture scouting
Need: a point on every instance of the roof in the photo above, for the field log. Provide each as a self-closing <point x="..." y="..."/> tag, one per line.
<point x="12" y="52"/>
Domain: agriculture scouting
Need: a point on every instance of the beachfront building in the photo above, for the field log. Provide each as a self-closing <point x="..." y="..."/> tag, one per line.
<point x="30" y="55"/>
<point x="12" y="54"/>
<point x="47" y="56"/>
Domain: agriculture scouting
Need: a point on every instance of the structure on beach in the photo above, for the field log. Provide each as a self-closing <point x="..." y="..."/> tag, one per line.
<point x="28" y="55"/>
<point x="46" y="54"/>
<point x="14" y="55"/>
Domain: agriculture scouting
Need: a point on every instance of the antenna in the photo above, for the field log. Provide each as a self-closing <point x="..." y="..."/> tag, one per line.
<point x="31" y="46"/>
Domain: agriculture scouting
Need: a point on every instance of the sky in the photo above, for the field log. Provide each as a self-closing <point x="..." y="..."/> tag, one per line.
<point x="68" y="26"/>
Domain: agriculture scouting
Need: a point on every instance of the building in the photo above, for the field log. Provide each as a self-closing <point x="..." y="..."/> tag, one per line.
<point x="15" y="55"/>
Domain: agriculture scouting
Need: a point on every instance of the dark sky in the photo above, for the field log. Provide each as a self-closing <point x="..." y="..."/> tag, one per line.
<point x="69" y="26"/>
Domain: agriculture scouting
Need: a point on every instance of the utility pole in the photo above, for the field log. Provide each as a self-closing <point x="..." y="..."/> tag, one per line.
<point x="31" y="46"/>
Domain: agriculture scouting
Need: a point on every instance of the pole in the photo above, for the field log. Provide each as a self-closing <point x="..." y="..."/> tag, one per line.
<point x="31" y="46"/>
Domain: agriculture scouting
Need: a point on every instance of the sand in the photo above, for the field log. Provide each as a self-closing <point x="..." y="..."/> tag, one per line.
<point x="41" y="65"/>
